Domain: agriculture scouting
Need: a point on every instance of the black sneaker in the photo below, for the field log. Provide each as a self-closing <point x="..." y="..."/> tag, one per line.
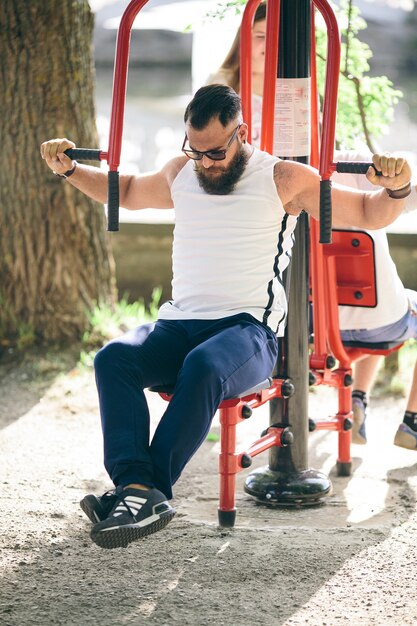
<point x="97" y="508"/>
<point x="136" y="513"/>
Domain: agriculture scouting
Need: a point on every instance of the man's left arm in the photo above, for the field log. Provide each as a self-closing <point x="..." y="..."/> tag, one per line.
<point x="371" y="210"/>
<point x="381" y="207"/>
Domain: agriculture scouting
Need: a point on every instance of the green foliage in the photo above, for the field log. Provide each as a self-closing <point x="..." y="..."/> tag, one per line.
<point x="106" y="323"/>
<point x="393" y="381"/>
<point x="213" y="436"/>
<point x="14" y="335"/>
<point x="365" y="103"/>
<point x="223" y="8"/>
<point x="408" y="355"/>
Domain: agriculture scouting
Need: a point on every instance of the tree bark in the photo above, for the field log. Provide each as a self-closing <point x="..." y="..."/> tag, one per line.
<point x="55" y="259"/>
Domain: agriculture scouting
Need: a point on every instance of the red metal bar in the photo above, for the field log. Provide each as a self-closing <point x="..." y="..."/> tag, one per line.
<point x="332" y="424"/>
<point x="333" y="329"/>
<point x="314" y="103"/>
<point x="325" y="163"/>
<point x="331" y="378"/>
<point x="228" y="459"/>
<point x="119" y="83"/>
<point x="273" y="14"/>
<point x="331" y="89"/>
<point x="345" y="436"/>
<point x="272" y="438"/>
<point x="246" y="62"/>
<point x="252" y="400"/>
<point x="317" y="274"/>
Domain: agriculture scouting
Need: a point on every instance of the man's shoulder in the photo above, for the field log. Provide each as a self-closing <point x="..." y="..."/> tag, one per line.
<point x="174" y="167"/>
<point x="285" y="169"/>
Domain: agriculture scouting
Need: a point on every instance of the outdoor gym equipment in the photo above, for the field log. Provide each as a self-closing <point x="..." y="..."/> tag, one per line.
<point x="348" y="275"/>
<point x="287" y="480"/>
<point x="232" y="411"/>
<point x="112" y="155"/>
<point x="341" y="273"/>
<point x="278" y="435"/>
<point x="285" y="469"/>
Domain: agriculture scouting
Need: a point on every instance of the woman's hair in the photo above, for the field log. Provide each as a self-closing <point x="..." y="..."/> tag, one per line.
<point x="230" y="68"/>
<point x="213" y="101"/>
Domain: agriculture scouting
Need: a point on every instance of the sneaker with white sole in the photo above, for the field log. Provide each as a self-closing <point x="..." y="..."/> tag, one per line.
<point x="135" y="514"/>
<point x="97" y="508"/>
<point x="359" y="418"/>
<point x="406" y="437"/>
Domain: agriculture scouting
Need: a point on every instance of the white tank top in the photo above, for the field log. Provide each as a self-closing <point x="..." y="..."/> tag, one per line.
<point x="392" y="302"/>
<point x="230" y="251"/>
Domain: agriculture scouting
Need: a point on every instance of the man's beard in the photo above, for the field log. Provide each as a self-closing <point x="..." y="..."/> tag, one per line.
<point x="223" y="183"/>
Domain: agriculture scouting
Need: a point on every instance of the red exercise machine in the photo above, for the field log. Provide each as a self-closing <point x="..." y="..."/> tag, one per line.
<point x="234" y="410"/>
<point x="342" y="272"/>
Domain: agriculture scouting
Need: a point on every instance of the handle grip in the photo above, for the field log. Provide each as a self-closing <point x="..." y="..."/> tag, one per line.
<point x="325" y="211"/>
<point x="346" y="167"/>
<point x="90" y="154"/>
<point x="354" y="167"/>
<point x="113" y="201"/>
<point x="83" y="154"/>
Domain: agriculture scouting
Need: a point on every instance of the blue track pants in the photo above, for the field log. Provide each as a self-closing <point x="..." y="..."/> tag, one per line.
<point x="208" y="360"/>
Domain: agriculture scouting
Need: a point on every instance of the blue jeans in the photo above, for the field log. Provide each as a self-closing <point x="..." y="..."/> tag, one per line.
<point x="404" y="328"/>
<point x="208" y="360"/>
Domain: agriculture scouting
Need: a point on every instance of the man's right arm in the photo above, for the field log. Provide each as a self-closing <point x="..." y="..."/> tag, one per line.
<point x="135" y="192"/>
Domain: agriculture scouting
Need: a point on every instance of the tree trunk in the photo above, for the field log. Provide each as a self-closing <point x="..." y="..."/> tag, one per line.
<point x="55" y="261"/>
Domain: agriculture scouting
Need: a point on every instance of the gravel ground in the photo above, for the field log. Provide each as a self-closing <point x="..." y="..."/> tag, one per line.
<point x="350" y="562"/>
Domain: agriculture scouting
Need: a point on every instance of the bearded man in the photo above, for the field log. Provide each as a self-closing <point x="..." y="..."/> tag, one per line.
<point x="236" y="208"/>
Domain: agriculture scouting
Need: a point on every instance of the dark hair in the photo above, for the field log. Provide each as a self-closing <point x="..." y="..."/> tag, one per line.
<point x="213" y="101"/>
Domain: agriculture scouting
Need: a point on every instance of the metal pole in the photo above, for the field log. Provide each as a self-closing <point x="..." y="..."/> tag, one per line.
<point x="288" y="480"/>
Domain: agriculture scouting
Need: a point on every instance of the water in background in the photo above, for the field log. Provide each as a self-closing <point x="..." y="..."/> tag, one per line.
<point x="153" y="122"/>
<point x="153" y="129"/>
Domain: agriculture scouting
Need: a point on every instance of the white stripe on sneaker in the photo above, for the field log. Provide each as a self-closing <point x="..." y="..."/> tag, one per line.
<point x="134" y="503"/>
<point x="141" y="524"/>
<point x="135" y="499"/>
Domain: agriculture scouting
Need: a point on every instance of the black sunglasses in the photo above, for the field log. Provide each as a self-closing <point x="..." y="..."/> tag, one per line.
<point x="213" y="155"/>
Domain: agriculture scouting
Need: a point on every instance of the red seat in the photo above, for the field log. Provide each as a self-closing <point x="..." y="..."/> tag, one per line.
<point x="343" y="273"/>
<point x="231" y="461"/>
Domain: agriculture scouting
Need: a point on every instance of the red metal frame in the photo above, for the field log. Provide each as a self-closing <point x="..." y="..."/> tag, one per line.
<point x="322" y="159"/>
<point x="326" y="331"/>
<point x="341" y="378"/>
<point x="120" y="81"/>
<point x="231" y="461"/>
<point x="323" y="277"/>
<point x="323" y="265"/>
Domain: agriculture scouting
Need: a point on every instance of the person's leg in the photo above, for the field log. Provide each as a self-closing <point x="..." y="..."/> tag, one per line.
<point x="229" y="358"/>
<point x="412" y="397"/>
<point x="364" y="375"/>
<point x="399" y="331"/>
<point x="144" y="357"/>
<point x="365" y="372"/>
<point x="406" y="435"/>
<point x="148" y="355"/>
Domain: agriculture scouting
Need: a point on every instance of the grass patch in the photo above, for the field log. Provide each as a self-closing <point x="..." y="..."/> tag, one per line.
<point x="396" y="371"/>
<point x="106" y="323"/>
